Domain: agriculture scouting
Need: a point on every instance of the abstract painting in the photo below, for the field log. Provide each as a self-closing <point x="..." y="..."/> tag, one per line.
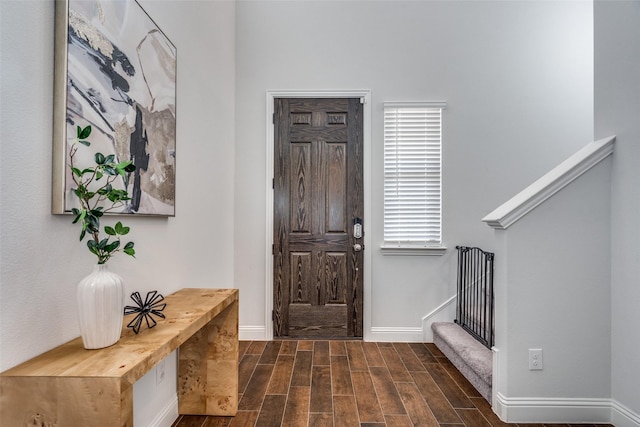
<point x="116" y="71"/>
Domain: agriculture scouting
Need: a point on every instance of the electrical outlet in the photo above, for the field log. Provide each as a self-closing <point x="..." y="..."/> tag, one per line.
<point x="160" y="372"/>
<point x="535" y="359"/>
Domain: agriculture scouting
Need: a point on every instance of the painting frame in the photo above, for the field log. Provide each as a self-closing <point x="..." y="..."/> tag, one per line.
<point x="115" y="70"/>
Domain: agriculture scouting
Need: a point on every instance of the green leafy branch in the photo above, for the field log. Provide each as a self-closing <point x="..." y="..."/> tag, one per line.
<point x="94" y="187"/>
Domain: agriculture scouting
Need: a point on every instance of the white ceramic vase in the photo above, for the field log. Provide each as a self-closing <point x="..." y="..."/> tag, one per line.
<point x="100" y="307"/>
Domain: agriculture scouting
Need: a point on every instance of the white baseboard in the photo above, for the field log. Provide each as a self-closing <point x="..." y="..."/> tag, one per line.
<point x="553" y="410"/>
<point x="252" y="333"/>
<point x="547" y="410"/>
<point x="621" y="416"/>
<point x="167" y="415"/>
<point x="392" y="334"/>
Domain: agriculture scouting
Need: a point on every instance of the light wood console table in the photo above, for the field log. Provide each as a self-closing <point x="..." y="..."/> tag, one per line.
<point x="72" y="387"/>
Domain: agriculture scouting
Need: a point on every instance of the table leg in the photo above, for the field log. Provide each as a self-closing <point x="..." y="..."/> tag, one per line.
<point x="208" y="368"/>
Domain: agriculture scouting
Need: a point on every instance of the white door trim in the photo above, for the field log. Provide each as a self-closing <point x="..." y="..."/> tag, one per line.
<point x="365" y="96"/>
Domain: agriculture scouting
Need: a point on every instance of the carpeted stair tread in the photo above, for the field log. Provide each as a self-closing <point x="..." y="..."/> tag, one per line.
<point x="473" y="360"/>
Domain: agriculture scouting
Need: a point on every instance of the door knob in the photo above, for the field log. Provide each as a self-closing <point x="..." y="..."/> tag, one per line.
<point x="358" y="247"/>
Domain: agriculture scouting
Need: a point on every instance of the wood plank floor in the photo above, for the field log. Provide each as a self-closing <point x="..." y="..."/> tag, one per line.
<point x="350" y="383"/>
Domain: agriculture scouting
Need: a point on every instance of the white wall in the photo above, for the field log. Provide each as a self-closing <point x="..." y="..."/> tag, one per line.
<point x="552" y="293"/>
<point x="41" y="259"/>
<point x="518" y="80"/>
<point x="617" y="111"/>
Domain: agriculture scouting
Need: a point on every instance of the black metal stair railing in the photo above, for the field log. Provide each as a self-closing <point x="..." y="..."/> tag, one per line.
<point x="475" y="302"/>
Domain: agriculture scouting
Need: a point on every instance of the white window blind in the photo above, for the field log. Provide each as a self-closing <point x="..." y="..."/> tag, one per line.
<point x="412" y="174"/>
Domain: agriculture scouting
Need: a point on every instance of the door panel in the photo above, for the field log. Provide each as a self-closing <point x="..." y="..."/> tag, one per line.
<point x="317" y="195"/>
<point x="336" y="213"/>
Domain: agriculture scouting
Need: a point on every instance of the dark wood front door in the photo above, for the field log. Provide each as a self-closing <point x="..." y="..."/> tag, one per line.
<point x="318" y="195"/>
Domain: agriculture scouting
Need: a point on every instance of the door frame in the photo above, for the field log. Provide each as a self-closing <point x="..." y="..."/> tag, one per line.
<point x="365" y="97"/>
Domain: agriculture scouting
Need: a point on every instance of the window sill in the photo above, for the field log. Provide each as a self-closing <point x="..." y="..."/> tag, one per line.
<point x="413" y="250"/>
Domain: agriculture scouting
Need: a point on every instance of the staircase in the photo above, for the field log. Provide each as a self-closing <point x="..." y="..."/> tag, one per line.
<point x="540" y="223"/>
<point x="467" y="342"/>
<point x="473" y="360"/>
<point x="542" y="232"/>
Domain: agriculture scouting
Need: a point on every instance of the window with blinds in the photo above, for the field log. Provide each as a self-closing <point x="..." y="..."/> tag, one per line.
<point x="412" y="175"/>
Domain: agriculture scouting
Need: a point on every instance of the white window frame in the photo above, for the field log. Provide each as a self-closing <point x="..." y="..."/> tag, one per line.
<point x="411" y="245"/>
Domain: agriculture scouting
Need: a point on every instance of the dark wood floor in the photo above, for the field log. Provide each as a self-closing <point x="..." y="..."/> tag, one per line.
<point x="350" y="383"/>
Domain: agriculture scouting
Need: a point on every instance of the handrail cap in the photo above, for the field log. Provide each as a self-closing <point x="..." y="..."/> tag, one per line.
<point x="549" y="184"/>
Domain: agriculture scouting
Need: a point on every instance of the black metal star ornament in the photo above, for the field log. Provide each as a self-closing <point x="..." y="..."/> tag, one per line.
<point x="146" y="310"/>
